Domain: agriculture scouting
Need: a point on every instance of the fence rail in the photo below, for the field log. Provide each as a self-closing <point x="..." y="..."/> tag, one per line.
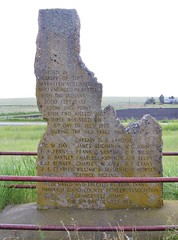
<point x="82" y="179"/>
<point x="89" y="179"/>
<point x="88" y="228"/>
<point x="35" y="153"/>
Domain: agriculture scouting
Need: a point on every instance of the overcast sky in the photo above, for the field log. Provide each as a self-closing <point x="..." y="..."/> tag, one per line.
<point x="130" y="45"/>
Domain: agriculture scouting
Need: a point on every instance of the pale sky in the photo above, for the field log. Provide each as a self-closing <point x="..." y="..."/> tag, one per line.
<point x="130" y="45"/>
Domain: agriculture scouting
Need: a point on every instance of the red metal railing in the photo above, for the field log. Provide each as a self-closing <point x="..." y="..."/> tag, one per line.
<point x="83" y="179"/>
<point x="88" y="228"/>
<point x="35" y="153"/>
<point x="89" y="179"/>
<point x="19" y="153"/>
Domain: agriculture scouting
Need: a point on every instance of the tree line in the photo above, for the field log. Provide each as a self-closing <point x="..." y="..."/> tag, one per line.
<point x="162" y="100"/>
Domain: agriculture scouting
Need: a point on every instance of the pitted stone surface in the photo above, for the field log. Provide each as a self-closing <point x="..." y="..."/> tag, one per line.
<point x="81" y="139"/>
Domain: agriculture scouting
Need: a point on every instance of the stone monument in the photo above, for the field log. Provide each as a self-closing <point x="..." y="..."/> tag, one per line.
<point x="81" y="139"/>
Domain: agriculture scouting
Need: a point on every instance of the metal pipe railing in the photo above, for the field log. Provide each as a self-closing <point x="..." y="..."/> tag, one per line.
<point x="89" y="179"/>
<point x="18" y="153"/>
<point x="25" y="186"/>
<point x="35" y="153"/>
<point x="88" y="228"/>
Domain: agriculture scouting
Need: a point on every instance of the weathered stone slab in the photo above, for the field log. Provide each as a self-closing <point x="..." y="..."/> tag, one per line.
<point x="82" y="139"/>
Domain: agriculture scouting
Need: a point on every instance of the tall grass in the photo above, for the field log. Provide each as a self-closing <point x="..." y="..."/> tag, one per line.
<point x="18" y="138"/>
<point x="19" y="167"/>
<point x="170" y="164"/>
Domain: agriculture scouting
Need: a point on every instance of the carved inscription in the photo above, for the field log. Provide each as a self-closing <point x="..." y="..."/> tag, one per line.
<point x="83" y="140"/>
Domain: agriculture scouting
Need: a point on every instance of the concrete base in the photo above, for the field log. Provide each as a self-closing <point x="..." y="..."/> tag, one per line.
<point x="28" y="214"/>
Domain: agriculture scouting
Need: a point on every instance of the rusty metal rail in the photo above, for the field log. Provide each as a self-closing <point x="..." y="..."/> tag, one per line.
<point x="78" y="179"/>
<point x="89" y="179"/>
<point x="170" y="153"/>
<point x="81" y="179"/>
<point x="18" y="153"/>
<point x="88" y="228"/>
<point x="35" y="153"/>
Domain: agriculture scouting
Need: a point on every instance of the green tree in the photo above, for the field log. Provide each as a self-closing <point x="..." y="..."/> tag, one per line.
<point x="161" y="98"/>
<point x="150" y="101"/>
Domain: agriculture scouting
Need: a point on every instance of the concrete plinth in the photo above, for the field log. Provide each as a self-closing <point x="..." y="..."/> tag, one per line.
<point x="28" y="214"/>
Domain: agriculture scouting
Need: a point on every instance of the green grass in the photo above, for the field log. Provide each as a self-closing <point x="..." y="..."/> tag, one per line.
<point x="170" y="164"/>
<point x="17" y="109"/>
<point x="18" y="138"/>
<point x="24" y="166"/>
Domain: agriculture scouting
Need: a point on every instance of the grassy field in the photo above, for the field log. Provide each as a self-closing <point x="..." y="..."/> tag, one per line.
<point x="17" y="106"/>
<point x="28" y="105"/>
<point x="21" y="138"/>
<point x="126" y="102"/>
<point x="25" y="109"/>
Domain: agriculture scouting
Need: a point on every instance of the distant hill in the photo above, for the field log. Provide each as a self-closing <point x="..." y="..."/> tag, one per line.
<point x="17" y="101"/>
<point x="116" y="102"/>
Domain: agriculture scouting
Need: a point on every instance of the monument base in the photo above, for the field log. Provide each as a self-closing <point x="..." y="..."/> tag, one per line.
<point x="28" y="214"/>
